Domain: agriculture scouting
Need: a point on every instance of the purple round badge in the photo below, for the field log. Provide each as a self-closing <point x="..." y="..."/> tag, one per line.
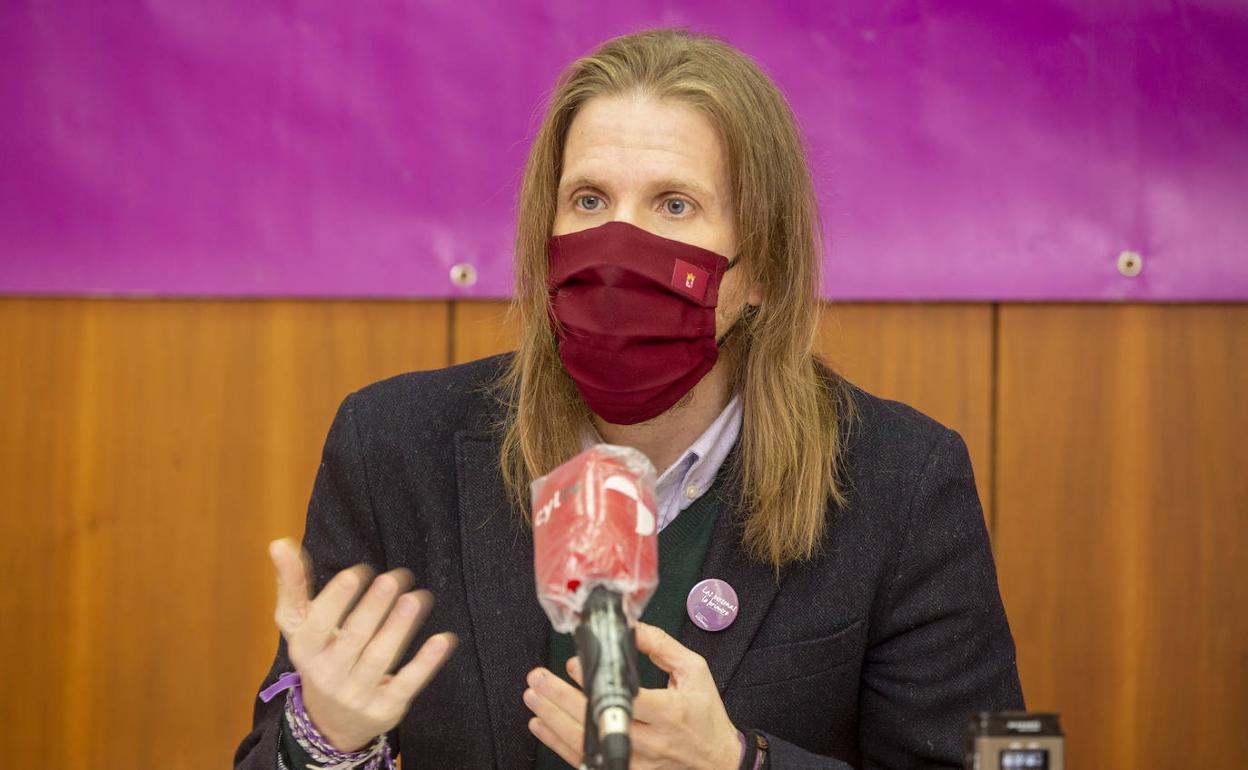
<point x="712" y="605"/>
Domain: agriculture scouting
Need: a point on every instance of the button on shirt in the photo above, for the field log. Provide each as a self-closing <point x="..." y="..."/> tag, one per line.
<point x="694" y="472"/>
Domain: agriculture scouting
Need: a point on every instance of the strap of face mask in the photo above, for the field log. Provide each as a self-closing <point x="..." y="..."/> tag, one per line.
<point x="719" y="343"/>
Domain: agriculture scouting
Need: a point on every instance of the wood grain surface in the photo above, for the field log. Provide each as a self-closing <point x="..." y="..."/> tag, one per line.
<point x="480" y="329"/>
<point x="1122" y="527"/>
<point x="150" y="449"/>
<point x="148" y="452"/>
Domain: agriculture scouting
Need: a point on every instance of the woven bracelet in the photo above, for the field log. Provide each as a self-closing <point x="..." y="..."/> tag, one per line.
<point x="376" y="756"/>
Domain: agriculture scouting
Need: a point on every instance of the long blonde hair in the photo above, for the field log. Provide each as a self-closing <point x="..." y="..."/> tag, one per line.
<point x="796" y="411"/>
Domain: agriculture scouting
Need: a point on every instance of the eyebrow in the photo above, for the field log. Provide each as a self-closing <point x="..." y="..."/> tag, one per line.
<point x="669" y="183"/>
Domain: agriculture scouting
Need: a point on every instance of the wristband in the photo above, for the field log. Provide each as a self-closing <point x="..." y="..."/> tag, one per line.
<point x="754" y="748"/>
<point x="375" y="756"/>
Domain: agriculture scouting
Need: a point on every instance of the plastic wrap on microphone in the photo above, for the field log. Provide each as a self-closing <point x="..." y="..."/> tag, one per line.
<point x="594" y="525"/>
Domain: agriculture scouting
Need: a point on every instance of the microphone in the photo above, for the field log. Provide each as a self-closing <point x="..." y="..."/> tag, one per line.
<point x="595" y="558"/>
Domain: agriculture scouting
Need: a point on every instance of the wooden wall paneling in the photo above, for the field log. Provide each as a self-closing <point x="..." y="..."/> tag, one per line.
<point x="934" y="357"/>
<point x="148" y="452"/>
<point x="1122" y="526"/>
<point x="480" y="328"/>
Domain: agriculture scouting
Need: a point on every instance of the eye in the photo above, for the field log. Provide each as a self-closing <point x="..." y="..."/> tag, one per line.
<point x="676" y="206"/>
<point x="589" y="202"/>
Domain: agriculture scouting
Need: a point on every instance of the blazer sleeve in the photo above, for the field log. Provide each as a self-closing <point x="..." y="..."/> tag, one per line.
<point x="340" y="531"/>
<point x="939" y="648"/>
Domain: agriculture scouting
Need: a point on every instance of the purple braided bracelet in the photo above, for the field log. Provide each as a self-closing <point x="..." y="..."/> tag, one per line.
<point x="373" y="757"/>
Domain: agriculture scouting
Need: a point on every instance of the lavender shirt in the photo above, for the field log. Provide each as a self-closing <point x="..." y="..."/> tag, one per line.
<point x="694" y="472"/>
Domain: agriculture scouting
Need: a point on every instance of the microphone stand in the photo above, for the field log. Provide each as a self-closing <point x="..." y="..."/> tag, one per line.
<point x="608" y="651"/>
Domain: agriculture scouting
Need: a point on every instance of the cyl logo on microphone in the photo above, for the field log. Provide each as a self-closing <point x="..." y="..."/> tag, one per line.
<point x="543" y="514"/>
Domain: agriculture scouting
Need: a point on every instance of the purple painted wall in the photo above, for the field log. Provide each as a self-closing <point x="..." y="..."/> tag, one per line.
<point x="971" y="150"/>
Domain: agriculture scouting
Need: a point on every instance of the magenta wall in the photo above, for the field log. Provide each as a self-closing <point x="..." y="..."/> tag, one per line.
<point x="971" y="150"/>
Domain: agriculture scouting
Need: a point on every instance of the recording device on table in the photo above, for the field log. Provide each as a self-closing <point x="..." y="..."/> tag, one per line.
<point x="1014" y="740"/>
<point x="596" y="564"/>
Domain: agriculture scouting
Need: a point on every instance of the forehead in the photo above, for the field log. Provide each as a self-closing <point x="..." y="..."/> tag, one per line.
<point x="634" y="139"/>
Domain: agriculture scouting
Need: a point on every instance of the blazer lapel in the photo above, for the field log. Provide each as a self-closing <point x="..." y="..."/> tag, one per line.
<point x="756" y="585"/>
<point x="508" y="626"/>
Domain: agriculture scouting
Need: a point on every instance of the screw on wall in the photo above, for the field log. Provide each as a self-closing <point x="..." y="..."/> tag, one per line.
<point x="1130" y="263"/>
<point x="463" y="275"/>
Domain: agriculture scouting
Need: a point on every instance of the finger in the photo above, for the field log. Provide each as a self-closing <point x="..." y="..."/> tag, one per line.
<point x="330" y="606"/>
<point x="562" y="731"/>
<point x="652" y="706"/>
<point x="412" y="678"/>
<point x="558" y="692"/>
<point x="360" y="626"/>
<point x="292" y="584"/>
<point x="556" y="743"/>
<point x="670" y="655"/>
<point x="395" y="635"/>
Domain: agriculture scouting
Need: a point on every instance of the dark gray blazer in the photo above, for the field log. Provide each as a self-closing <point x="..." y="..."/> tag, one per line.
<point x="870" y="656"/>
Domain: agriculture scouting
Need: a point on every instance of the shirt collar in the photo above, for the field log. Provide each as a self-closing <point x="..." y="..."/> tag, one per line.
<point x="698" y="464"/>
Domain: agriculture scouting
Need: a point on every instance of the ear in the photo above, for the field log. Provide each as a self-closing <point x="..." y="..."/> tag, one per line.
<point x="755" y="295"/>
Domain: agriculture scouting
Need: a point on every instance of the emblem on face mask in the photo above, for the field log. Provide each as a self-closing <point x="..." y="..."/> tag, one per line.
<point x="689" y="279"/>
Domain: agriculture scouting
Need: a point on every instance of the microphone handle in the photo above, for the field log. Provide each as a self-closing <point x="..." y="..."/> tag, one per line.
<point x="608" y="651"/>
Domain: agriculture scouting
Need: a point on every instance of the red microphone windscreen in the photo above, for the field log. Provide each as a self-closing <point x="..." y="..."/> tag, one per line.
<point x="594" y="525"/>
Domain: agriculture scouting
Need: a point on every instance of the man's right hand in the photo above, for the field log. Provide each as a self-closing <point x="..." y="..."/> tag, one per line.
<point x="344" y="659"/>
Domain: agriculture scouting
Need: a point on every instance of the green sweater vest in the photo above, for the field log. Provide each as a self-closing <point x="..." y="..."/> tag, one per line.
<point x="682" y="549"/>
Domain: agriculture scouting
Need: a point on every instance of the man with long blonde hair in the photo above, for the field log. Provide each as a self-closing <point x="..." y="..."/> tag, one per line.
<point x="667" y="264"/>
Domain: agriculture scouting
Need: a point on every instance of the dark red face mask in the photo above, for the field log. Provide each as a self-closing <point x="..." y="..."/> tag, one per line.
<point x="634" y="314"/>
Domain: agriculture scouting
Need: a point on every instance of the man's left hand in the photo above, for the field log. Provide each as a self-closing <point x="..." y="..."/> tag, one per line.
<point x="682" y="726"/>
